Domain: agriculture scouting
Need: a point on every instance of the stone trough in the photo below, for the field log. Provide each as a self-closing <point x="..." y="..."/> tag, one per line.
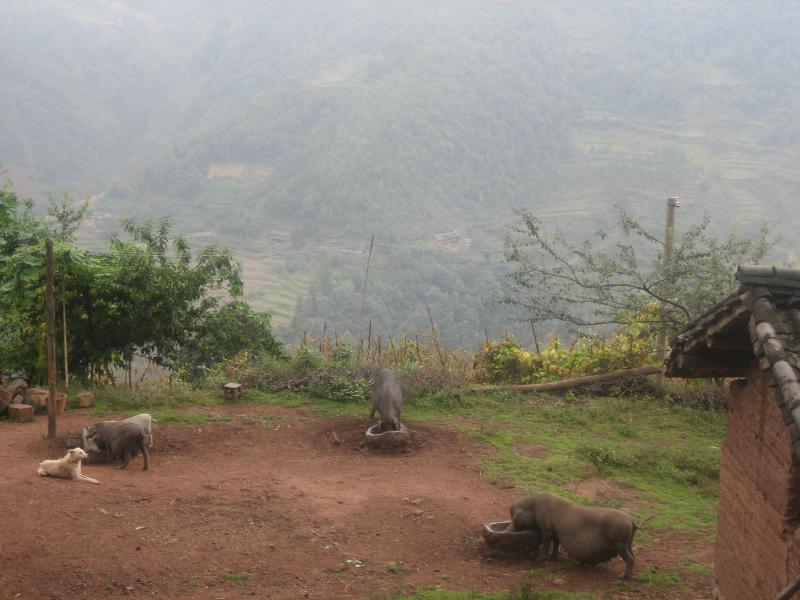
<point x="497" y="538"/>
<point x="387" y="440"/>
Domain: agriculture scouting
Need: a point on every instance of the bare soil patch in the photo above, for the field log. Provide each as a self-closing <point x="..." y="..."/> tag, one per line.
<point x="275" y="503"/>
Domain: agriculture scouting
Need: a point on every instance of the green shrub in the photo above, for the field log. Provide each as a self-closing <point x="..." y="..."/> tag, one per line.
<point x="603" y="458"/>
<point x="341" y="356"/>
<point x="340" y="388"/>
<point x="306" y="359"/>
<point x="506" y="361"/>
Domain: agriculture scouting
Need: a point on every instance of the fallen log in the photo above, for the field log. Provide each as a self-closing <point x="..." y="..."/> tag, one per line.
<point x="574" y="382"/>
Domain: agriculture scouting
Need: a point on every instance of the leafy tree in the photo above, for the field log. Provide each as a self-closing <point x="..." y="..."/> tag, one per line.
<point x="608" y="280"/>
<point x="147" y="296"/>
<point x="68" y="217"/>
<point x="222" y="334"/>
<point x="22" y="273"/>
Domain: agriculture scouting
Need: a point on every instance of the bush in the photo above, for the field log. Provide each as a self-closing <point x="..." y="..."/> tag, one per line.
<point x="506" y="361"/>
<point x="306" y="359"/>
<point x="341" y="356"/>
<point x="340" y="388"/>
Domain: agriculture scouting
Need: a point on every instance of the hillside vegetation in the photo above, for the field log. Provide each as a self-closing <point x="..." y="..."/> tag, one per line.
<point x="292" y="132"/>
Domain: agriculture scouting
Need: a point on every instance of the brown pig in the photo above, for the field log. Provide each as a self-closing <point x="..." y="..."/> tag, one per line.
<point x="589" y="534"/>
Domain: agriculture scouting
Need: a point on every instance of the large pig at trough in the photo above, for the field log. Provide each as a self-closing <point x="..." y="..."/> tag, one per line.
<point x="120" y="440"/>
<point x="387" y="400"/>
<point x="143" y="420"/>
<point x="589" y="534"/>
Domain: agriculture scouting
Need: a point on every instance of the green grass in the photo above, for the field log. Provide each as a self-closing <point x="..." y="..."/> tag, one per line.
<point x="691" y="565"/>
<point x="656" y="579"/>
<point x="666" y="456"/>
<point x="526" y="593"/>
<point x="238" y="577"/>
<point x="166" y="404"/>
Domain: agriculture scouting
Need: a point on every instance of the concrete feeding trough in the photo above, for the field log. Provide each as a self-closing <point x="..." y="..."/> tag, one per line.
<point x="520" y="542"/>
<point x="387" y="440"/>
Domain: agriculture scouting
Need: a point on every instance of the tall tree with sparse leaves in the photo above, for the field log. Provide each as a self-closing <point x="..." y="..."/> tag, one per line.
<point x="614" y="278"/>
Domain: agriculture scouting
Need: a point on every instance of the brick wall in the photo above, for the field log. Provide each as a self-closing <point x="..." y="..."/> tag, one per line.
<point x="755" y="546"/>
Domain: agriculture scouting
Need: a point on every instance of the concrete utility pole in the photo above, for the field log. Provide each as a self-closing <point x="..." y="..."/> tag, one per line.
<point x="672" y="203"/>
<point x="363" y="302"/>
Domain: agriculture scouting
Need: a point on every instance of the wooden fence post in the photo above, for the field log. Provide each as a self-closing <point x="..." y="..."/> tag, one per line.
<point x="50" y="302"/>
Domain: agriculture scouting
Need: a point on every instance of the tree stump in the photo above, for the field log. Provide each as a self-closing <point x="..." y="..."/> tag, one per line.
<point x="85" y="400"/>
<point x="61" y="403"/>
<point x="36" y="397"/>
<point x="232" y="391"/>
<point x="17" y="386"/>
<point x="20" y="412"/>
<point x="6" y="399"/>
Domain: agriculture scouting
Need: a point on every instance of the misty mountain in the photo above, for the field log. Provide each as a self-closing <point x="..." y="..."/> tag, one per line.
<point x="292" y="132"/>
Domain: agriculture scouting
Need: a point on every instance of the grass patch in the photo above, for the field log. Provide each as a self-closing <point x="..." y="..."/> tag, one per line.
<point x="151" y="399"/>
<point x="525" y="593"/>
<point x="691" y="565"/>
<point x="239" y="577"/>
<point x="666" y="455"/>
<point x="656" y="579"/>
<point x="175" y="417"/>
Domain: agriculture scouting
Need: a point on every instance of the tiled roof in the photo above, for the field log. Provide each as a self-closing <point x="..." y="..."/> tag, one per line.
<point x="760" y="321"/>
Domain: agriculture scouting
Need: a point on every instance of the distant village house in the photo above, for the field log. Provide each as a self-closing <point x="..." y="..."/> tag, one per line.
<point x="452" y="241"/>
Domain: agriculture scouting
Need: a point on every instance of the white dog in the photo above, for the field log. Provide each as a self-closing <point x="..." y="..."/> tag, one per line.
<point x="68" y="467"/>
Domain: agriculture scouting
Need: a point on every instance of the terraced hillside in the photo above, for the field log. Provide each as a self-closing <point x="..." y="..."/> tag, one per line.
<point x="404" y="121"/>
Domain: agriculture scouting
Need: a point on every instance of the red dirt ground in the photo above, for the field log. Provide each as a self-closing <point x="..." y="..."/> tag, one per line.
<point x="268" y="505"/>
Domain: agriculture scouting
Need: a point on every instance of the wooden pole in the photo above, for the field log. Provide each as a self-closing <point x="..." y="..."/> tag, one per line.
<point x="64" y="329"/>
<point x="51" y="350"/>
<point x="435" y="337"/>
<point x="324" y="332"/>
<point x="535" y="340"/>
